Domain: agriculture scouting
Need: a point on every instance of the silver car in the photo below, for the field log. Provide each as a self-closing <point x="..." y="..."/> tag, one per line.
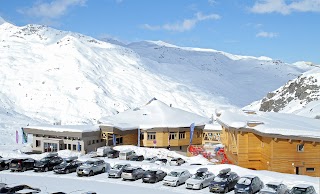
<point x="176" y="177"/>
<point x="91" y="167"/>
<point x="132" y="173"/>
<point x="200" y="179"/>
<point x="177" y="161"/>
<point x="275" y="188"/>
<point x="116" y="170"/>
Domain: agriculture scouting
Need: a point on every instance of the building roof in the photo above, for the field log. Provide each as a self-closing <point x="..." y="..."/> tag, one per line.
<point x="66" y="128"/>
<point x="154" y="114"/>
<point x="213" y="127"/>
<point x="271" y="123"/>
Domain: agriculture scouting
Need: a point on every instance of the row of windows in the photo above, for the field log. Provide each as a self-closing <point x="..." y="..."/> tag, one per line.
<point x="172" y="135"/>
<point x="53" y="147"/>
<point x="94" y="141"/>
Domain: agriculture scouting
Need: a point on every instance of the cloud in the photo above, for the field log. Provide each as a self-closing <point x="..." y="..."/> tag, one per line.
<point x="185" y="25"/>
<point x="284" y="7"/>
<point x="212" y="2"/>
<point x="119" y="1"/>
<point x="51" y="10"/>
<point x="263" y="34"/>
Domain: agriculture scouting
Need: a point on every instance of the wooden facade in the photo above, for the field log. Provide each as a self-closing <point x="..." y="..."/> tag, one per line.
<point x="250" y="149"/>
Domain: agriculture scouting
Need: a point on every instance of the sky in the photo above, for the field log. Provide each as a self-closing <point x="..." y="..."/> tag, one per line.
<point x="286" y="30"/>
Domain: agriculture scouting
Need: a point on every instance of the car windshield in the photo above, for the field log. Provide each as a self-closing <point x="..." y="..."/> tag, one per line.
<point x="221" y="178"/>
<point x="88" y="163"/>
<point x="274" y="187"/>
<point x="45" y="160"/>
<point x="244" y="181"/>
<point x="117" y="166"/>
<point x="174" y="174"/>
<point x="296" y="190"/>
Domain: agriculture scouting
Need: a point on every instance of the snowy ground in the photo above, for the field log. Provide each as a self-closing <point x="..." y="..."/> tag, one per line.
<point x="70" y="183"/>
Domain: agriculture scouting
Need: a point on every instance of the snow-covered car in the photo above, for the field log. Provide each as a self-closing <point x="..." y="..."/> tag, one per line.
<point x="132" y="173"/>
<point x="177" y="161"/>
<point x="303" y="189"/>
<point x="275" y="188"/>
<point x="224" y="181"/>
<point x="116" y="170"/>
<point x="150" y="159"/>
<point x="248" y="184"/>
<point x="17" y="188"/>
<point x="200" y="179"/>
<point x="176" y="177"/>
<point x="91" y="167"/>
<point x="161" y="161"/>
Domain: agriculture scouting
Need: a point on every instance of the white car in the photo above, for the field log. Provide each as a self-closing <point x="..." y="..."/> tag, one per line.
<point x="150" y="159"/>
<point x="200" y="179"/>
<point x="176" y="177"/>
<point x="177" y="161"/>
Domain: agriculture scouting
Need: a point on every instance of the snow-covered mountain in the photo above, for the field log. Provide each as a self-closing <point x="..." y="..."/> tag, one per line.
<point x="299" y="96"/>
<point x="50" y="76"/>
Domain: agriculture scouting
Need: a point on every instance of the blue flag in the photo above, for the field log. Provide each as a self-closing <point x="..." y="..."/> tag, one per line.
<point x="79" y="147"/>
<point x="191" y="132"/>
<point x="114" y="139"/>
<point x="24" y="136"/>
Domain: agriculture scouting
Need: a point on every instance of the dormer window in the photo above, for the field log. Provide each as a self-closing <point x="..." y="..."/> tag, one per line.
<point x="300" y="147"/>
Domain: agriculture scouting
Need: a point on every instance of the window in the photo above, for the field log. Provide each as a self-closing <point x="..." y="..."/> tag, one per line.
<point x="173" y="135"/>
<point x="142" y="136"/>
<point x="65" y="146"/>
<point x="38" y="143"/>
<point x="74" y="147"/>
<point x="151" y="135"/>
<point x="182" y="135"/>
<point x="97" y="141"/>
<point x="309" y="169"/>
<point x="93" y="141"/>
<point x="69" y="146"/>
<point x="300" y="147"/>
<point x="119" y="140"/>
<point x="89" y="142"/>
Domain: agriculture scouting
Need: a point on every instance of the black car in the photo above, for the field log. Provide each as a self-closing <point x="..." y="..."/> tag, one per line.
<point x="5" y="163"/>
<point x="153" y="176"/>
<point x="248" y="184"/>
<point x="113" y="154"/>
<point x="22" y="164"/>
<point x="16" y="188"/>
<point x="137" y="158"/>
<point x="67" y="166"/>
<point x="303" y="189"/>
<point x="47" y="163"/>
<point x="224" y="181"/>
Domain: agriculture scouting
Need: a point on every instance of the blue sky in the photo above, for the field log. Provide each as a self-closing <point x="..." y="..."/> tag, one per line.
<point x="288" y="30"/>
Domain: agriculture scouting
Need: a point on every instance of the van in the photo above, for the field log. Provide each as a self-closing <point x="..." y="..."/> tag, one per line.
<point x="126" y="154"/>
<point x="103" y="151"/>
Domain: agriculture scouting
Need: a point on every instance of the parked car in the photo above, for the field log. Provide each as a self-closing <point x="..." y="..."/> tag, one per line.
<point x="47" y="163"/>
<point x="16" y="188"/>
<point x="177" y="161"/>
<point x="150" y="159"/>
<point x="161" y="161"/>
<point x="103" y="151"/>
<point x="67" y="166"/>
<point x="200" y="179"/>
<point x="92" y="167"/>
<point x="116" y="170"/>
<point x="126" y="154"/>
<point x="22" y="164"/>
<point x="303" y="189"/>
<point x="275" y="187"/>
<point x="224" y="181"/>
<point x="176" y="177"/>
<point x="137" y="158"/>
<point x="5" y="163"/>
<point x="2" y="184"/>
<point x="132" y="173"/>
<point x="113" y="154"/>
<point x="153" y="176"/>
<point x="248" y="184"/>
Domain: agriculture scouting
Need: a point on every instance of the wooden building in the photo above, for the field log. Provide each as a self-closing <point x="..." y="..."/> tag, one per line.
<point x="211" y="135"/>
<point x="271" y="141"/>
<point x="159" y="125"/>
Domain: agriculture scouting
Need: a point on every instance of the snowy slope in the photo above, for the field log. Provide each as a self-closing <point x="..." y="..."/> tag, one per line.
<point x="300" y="96"/>
<point x="63" y="77"/>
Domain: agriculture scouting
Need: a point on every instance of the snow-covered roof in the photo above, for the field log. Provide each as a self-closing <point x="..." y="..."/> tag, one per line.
<point x="272" y="123"/>
<point x="66" y="128"/>
<point x="213" y="126"/>
<point x="154" y="114"/>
